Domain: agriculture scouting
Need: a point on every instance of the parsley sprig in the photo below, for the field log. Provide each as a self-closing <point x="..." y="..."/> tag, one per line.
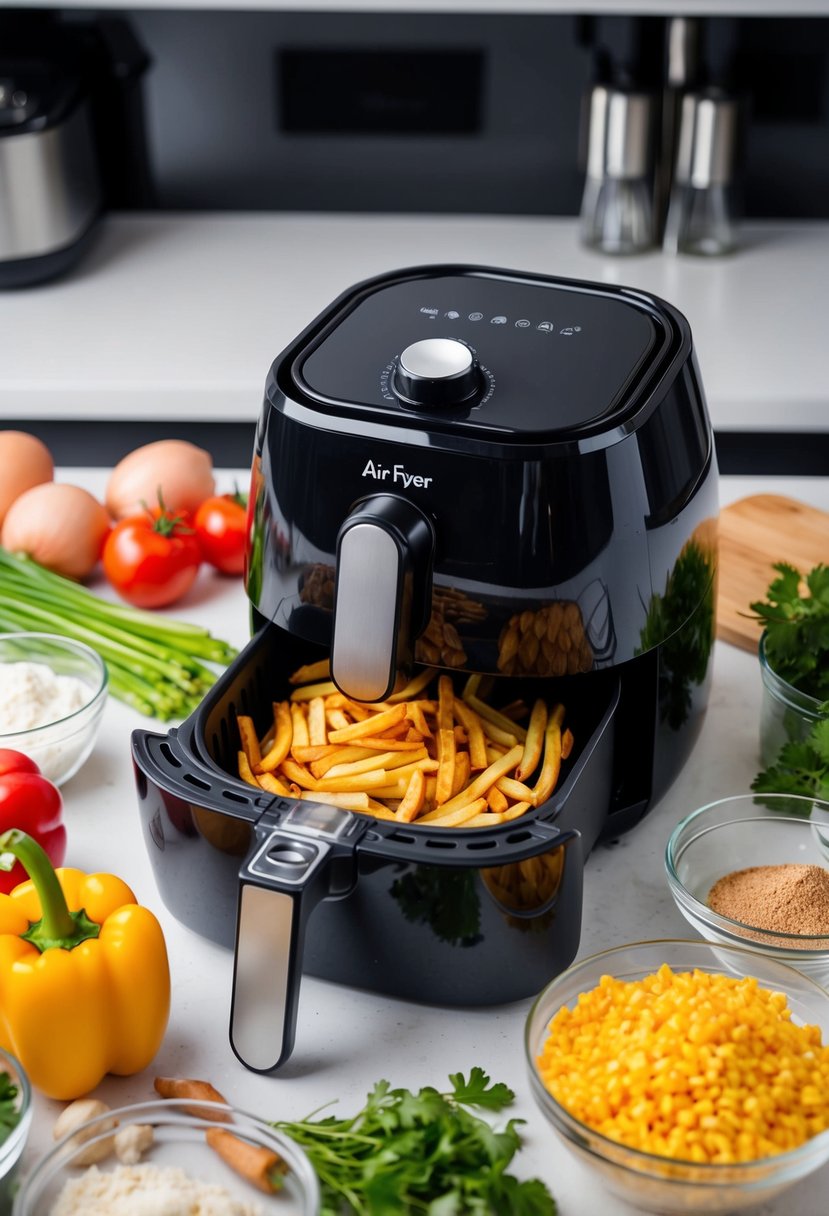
<point x="797" y="628"/>
<point x="9" y="1114"/>
<point x="421" y="1153"/>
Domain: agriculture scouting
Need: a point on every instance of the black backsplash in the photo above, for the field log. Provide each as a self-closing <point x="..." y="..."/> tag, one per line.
<point x="477" y="113"/>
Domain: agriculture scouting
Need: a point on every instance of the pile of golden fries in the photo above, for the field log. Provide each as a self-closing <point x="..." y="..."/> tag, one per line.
<point x="444" y="760"/>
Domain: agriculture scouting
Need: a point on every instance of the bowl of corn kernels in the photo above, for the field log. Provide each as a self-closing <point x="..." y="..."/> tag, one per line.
<point x="692" y="1077"/>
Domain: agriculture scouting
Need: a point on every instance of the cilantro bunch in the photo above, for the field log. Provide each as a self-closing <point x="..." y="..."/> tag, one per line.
<point x="797" y="628"/>
<point x="9" y="1114"/>
<point x="422" y="1153"/>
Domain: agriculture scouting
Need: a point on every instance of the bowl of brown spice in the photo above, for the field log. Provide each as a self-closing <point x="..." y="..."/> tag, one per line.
<point x="753" y="870"/>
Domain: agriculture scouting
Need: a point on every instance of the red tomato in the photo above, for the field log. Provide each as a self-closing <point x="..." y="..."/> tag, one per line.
<point x="221" y="529"/>
<point x="152" y="559"/>
<point x="34" y="805"/>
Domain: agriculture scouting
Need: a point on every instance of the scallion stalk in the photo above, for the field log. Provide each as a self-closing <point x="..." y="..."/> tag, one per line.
<point x="154" y="663"/>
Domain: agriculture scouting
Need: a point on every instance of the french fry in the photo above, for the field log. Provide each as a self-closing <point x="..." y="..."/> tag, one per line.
<point x="308" y="755"/>
<point x="391" y="745"/>
<point x="415" y="685"/>
<point x="548" y="777"/>
<point x="496" y="801"/>
<point x="477" y="742"/>
<point x="446" y="699"/>
<point x="484" y="820"/>
<point x="496" y="718"/>
<point x="462" y="770"/>
<point x="505" y="738"/>
<point x="515" y="789"/>
<point x="282" y="740"/>
<point x="299" y="774"/>
<point x="516" y="811"/>
<point x="412" y="802"/>
<point x="245" y="771"/>
<point x="418" y="719"/>
<point x="308" y="691"/>
<point x="357" y="801"/>
<point x="312" y="672"/>
<point x="534" y="742"/>
<point x="458" y="816"/>
<point x="446" y="758"/>
<point x="317" y="730"/>
<point x="273" y="785"/>
<point x="567" y="742"/>
<point x="299" y="726"/>
<point x="341" y="754"/>
<point x="484" y="780"/>
<point x="358" y="781"/>
<point x="250" y="742"/>
<point x="371" y="726"/>
<point x="357" y="711"/>
<point x="374" y="760"/>
<point x="337" y="719"/>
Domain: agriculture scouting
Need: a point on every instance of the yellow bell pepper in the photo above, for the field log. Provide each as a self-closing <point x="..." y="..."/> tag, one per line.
<point x="84" y="977"/>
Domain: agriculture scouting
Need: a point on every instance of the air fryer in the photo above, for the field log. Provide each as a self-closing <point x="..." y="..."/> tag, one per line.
<point x="484" y="472"/>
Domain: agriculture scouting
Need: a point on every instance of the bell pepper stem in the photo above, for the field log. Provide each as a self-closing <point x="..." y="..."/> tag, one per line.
<point x="57" y="926"/>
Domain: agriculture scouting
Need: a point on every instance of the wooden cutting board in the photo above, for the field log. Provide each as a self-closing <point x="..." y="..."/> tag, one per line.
<point x="754" y="533"/>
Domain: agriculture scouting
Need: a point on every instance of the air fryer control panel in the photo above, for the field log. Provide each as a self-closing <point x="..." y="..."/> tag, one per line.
<point x="476" y="350"/>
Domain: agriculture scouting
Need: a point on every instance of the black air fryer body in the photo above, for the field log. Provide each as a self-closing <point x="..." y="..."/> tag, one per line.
<point x="487" y="472"/>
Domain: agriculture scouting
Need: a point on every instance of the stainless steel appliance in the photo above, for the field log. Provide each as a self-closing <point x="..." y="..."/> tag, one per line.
<point x="438" y="436"/>
<point x="50" y="192"/>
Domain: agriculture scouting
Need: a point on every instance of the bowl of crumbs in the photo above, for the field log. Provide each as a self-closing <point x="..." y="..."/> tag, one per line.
<point x="753" y="871"/>
<point x="174" y="1155"/>
<point x="52" y="696"/>
<point x="687" y="1076"/>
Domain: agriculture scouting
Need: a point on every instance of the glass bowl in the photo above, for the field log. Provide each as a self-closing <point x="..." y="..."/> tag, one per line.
<point x="179" y="1128"/>
<point x="61" y="746"/>
<point x="735" y="834"/>
<point x="12" y="1147"/>
<point x="660" y="1184"/>
<point x="787" y="715"/>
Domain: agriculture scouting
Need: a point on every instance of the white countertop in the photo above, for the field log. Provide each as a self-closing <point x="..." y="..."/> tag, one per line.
<point x="347" y="1039"/>
<point x="179" y="316"/>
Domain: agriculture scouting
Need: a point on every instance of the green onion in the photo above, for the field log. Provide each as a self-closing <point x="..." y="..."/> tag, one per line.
<point x="154" y="663"/>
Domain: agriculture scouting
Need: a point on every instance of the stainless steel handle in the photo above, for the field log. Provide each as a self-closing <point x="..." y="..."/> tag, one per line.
<point x="261" y="978"/>
<point x="383" y="593"/>
<point x="370" y="574"/>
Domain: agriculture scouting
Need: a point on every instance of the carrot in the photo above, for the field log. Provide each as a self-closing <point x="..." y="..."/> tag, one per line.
<point x="262" y="1167"/>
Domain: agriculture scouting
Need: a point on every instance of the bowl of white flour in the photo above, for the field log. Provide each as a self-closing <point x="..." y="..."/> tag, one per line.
<point x="52" y="695"/>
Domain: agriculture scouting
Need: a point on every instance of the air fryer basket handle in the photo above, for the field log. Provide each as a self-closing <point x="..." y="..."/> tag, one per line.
<point x="383" y="592"/>
<point x="284" y="877"/>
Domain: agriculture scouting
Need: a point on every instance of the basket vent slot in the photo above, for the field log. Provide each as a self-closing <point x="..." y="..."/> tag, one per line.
<point x="402" y="837"/>
<point x="441" y="844"/>
<point x="169" y="755"/>
<point x="233" y="797"/>
<point x="518" y="837"/>
<point x="482" y="844"/>
<point x="196" y="781"/>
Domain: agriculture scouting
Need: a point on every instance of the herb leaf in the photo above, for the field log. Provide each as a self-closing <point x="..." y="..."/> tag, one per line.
<point x="421" y="1153"/>
<point x="797" y="628"/>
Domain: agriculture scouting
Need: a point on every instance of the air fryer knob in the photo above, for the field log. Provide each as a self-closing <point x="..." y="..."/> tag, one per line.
<point x="382" y="594"/>
<point x="436" y="372"/>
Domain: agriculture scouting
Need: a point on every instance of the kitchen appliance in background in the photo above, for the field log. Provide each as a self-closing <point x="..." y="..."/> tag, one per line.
<point x="49" y="183"/>
<point x="71" y="138"/>
<point x="448" y="459"/>
<point x="617" y="205"/>
<point x="700" y="216"/>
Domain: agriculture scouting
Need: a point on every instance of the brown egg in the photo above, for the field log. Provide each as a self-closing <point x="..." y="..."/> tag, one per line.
<point x="24" y="462"/>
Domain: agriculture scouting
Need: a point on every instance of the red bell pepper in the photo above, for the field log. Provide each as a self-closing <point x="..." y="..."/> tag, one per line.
<point x="29" y="802"/>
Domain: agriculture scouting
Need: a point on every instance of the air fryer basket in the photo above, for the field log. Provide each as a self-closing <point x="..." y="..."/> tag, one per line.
<point x="430" y="914"/>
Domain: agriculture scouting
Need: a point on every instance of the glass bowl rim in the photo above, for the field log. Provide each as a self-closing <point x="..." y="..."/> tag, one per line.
<point x="184" y="1108"/>
<point x="70" y="644"/>
<point x="20" y="1131"/>
<point x="704" y="1172"/>
<point x="728" y="924"/>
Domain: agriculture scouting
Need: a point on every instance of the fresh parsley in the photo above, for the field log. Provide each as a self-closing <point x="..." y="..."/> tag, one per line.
<point x="800" y="767"/>
<point x="421" y="1153"/>
<point x="9" y="1114"/>
<point x="797" y="628"/>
